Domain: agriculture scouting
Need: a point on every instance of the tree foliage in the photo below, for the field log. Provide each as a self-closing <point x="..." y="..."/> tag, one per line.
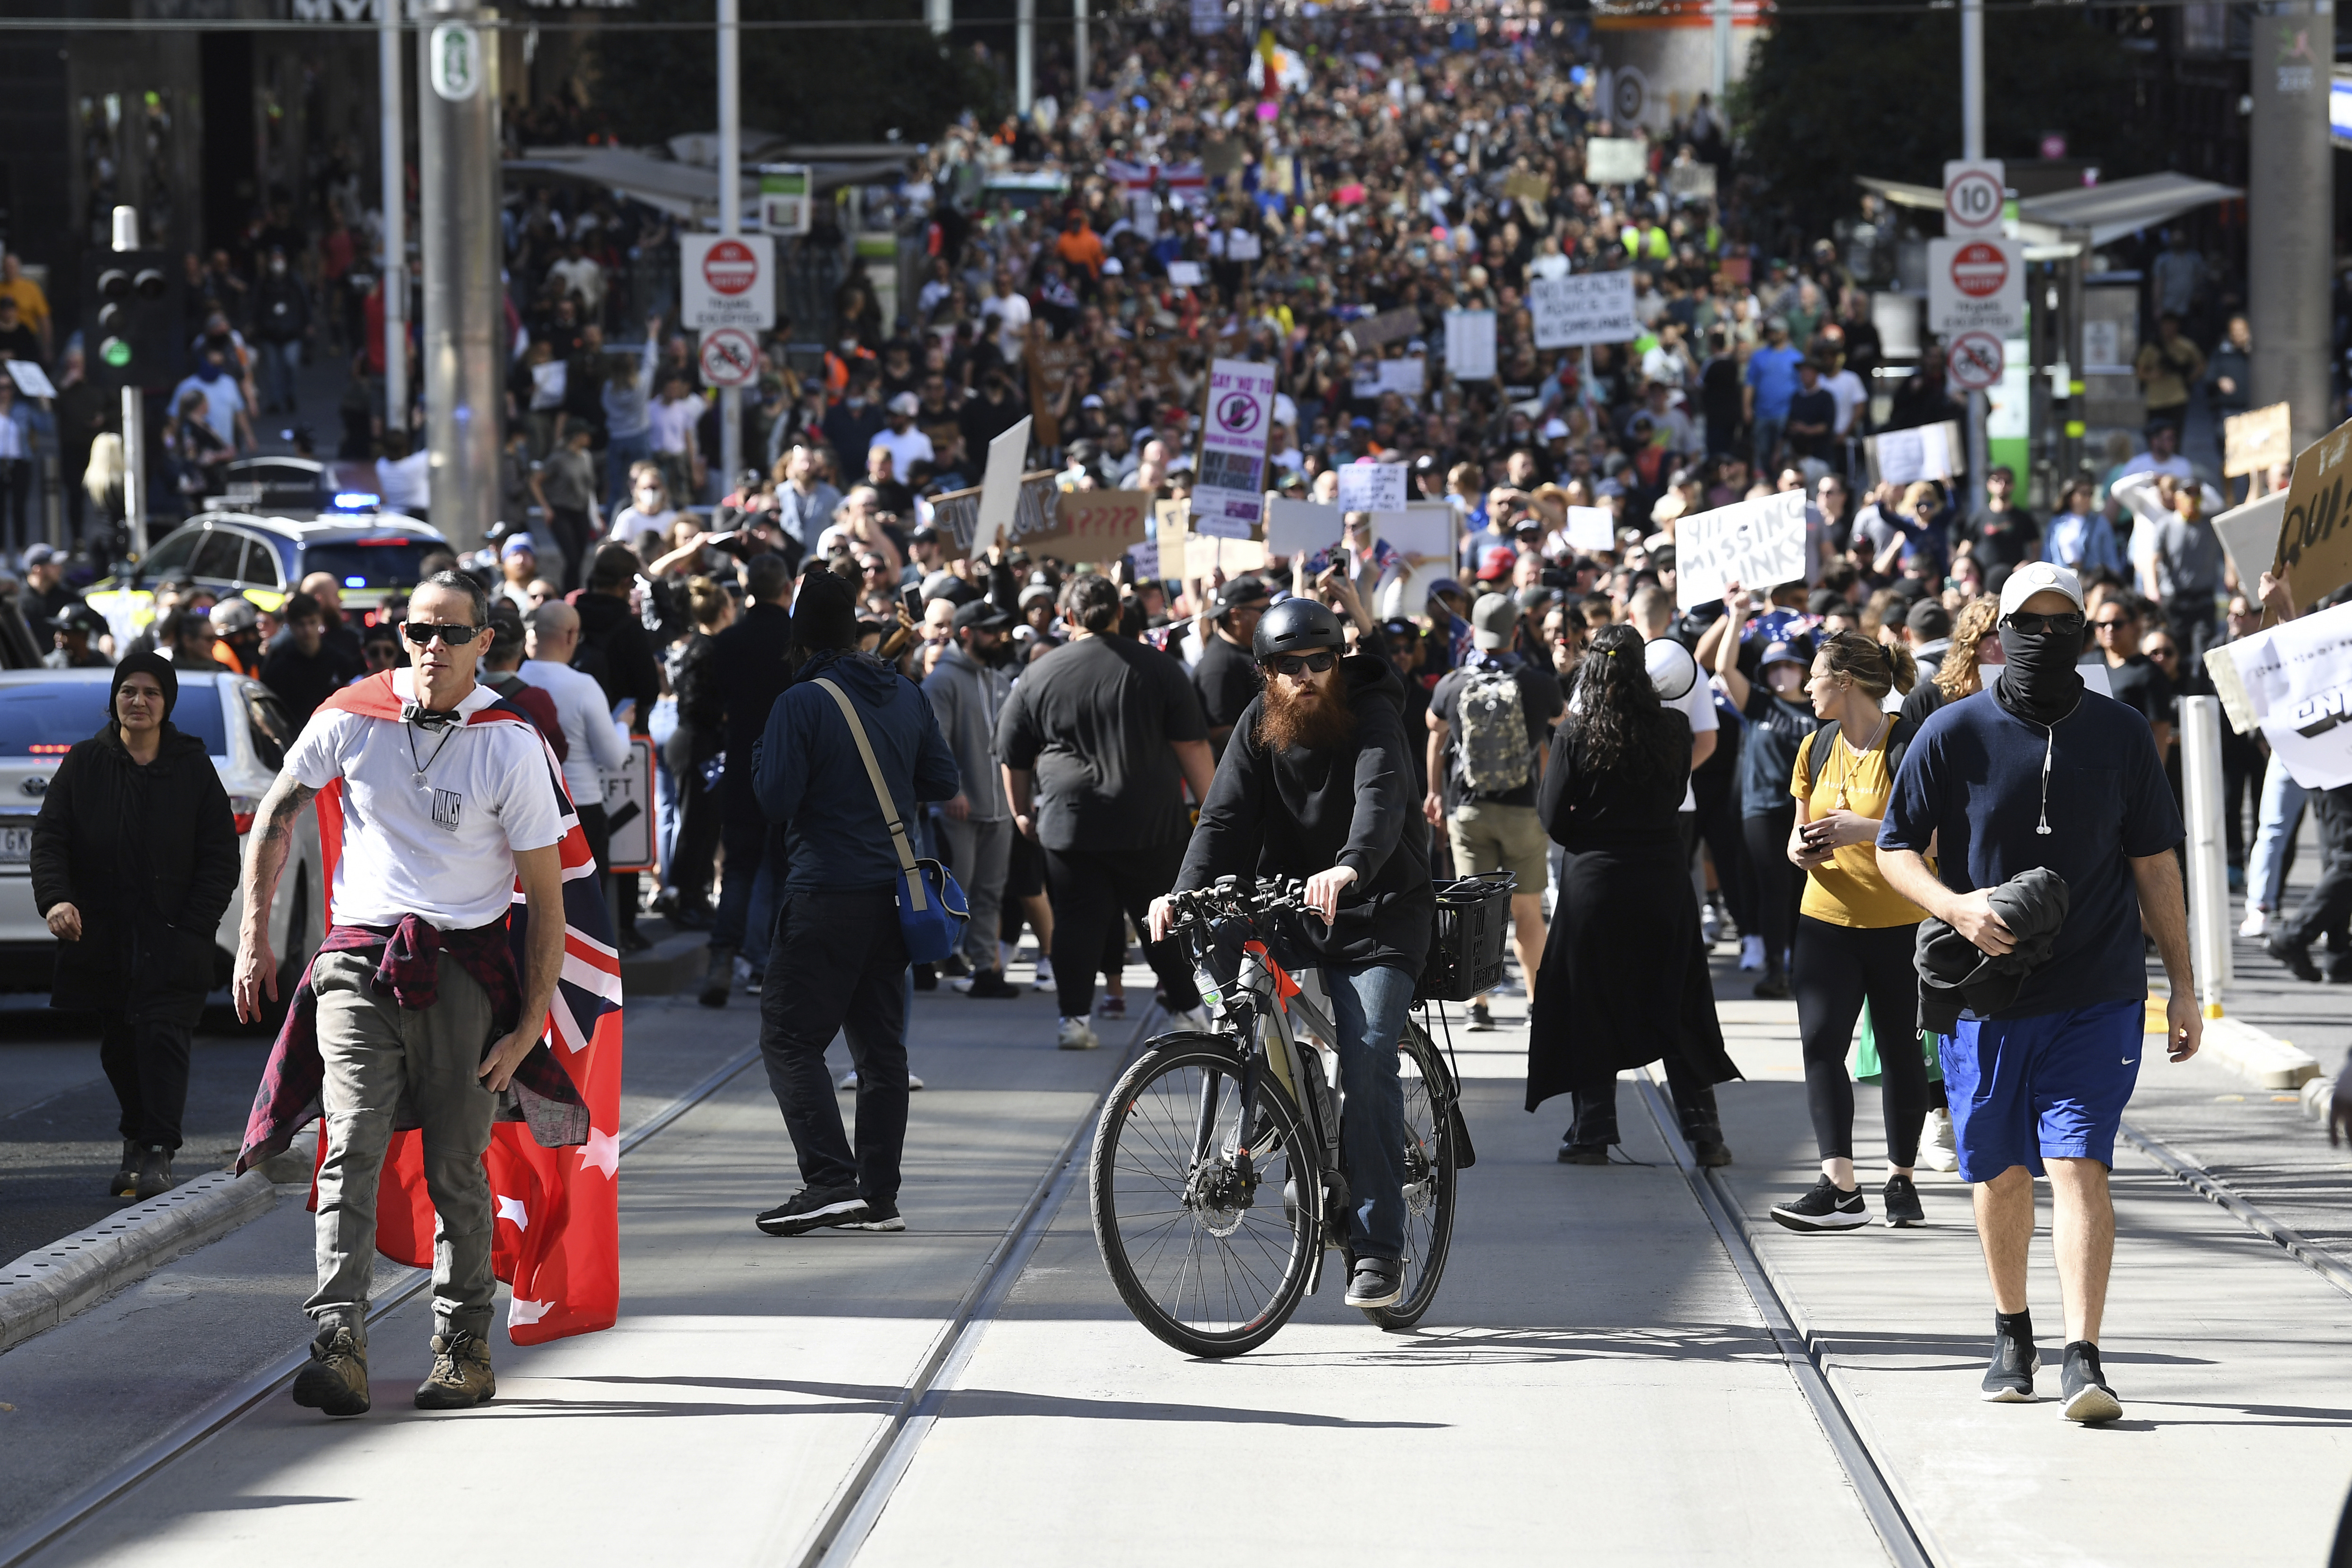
<point x="1830" y="96"/>
<point x="833" y="84"/>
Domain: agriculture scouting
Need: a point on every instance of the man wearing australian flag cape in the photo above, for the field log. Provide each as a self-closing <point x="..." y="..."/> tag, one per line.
<point x="458" y="1031"/>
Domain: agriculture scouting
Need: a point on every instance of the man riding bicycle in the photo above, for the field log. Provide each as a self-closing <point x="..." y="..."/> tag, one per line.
<point x="1317" y="782"/>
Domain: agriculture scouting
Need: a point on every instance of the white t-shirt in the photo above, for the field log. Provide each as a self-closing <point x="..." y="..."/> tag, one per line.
<point x="672" y="422"/>
<point x="590" y="742"/>
<point x="442" y="850"/>
<point x="907" y="447"/>
<point x="1846" y="387"/>
<point x="1012" y="325"/>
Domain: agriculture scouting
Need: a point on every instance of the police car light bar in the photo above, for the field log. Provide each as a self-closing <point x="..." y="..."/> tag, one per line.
<point x="356" y="500"/>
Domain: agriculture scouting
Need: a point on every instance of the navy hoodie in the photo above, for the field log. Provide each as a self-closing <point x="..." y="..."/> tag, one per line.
<point x="809" y="777"/>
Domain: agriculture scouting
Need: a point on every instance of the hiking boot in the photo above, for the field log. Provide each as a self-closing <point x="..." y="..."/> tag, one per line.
<point x="335" y="1380"/>
<point x="1076" y="1034"/>
<point x="811" y="1208"/>
<point x="1900" y="1204"/>
<point x="460" y="1378"/>
<point x="125" y="1182"/>
<point x="1824" y="1206"/>
<point x="719" y="978"/>
<point x="1375" y="1282"/>
<point x="154" y="1173"/>
<point x="2083" y="1392"/>
<point x="988" y="986"/>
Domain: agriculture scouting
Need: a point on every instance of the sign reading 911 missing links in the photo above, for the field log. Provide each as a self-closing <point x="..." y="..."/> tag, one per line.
<point x="1229" y="491"/>
<point x="1756" y="544"/>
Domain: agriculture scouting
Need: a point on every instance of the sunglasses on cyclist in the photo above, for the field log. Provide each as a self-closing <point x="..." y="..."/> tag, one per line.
<point x="1296" y="663"/>
<point x="2065" y="624"/>
<point x="422" y="633"/>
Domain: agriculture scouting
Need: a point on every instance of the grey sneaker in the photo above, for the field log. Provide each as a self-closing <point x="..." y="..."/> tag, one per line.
<point x="1376" y="1282"/>
<point x="2009" y="1377"/>
<point x="2083" y="1390"/>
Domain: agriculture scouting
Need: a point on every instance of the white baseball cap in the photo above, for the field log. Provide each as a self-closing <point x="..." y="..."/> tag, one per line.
<point x="2038" y="577"/>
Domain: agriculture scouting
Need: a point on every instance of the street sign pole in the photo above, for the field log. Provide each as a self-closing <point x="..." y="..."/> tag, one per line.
<point x="393" y="158"/>
<point x="2291" y="208"/>
<point x="730" y="215"/>
<point x="458" y="145"/>
<point x="134" y="417"/>
<point x="1973" y="149"/>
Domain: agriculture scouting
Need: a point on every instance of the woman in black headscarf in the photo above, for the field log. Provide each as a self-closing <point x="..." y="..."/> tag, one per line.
<point x="133" y="862"/>
<point x="1624" y="980"/>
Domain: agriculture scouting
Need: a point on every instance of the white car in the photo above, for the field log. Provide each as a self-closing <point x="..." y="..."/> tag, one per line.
<point x="44" y="714"/>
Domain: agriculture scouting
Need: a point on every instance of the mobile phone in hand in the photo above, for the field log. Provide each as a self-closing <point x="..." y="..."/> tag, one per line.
<point x="912" y="598"/>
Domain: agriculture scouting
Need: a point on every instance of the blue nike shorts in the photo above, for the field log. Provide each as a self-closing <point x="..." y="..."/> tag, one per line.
<point x="2053" y="1086"/>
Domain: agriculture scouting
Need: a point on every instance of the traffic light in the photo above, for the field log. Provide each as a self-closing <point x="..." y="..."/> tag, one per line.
<point x="133" y="323"/>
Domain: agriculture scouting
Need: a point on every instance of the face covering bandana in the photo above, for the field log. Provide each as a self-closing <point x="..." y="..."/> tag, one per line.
<point x="2039" y="685"/>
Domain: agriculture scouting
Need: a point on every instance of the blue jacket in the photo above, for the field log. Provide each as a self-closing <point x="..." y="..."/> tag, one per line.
<point x="808" y="775"/>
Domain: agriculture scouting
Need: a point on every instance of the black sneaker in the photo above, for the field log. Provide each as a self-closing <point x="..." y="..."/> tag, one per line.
<point x="1824" y="1207"/>
<point x="2083" y="1390"/>
<point x="990" y="985"/>
<point x="2008" y="1376"/>
<point x="879" y="1213"/>
<point x="1376" y="1282"/>
<point x="927" y="978"/>
<point x="954" y="966"/>
<point x="2295" y="956"/>
<point x="1480" y="1019"/>
<point x="812" y="1208"/>
<point x="1711" y="1153"/>
<point x="125" y="1180"/>
<point x="1772" y="988"/>
<point x="1583" y="1154"/>
<point x="1900" y="1202"/>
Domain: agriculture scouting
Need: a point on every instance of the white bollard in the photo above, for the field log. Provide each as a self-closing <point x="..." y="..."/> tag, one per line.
<point x="2209" y="870"/>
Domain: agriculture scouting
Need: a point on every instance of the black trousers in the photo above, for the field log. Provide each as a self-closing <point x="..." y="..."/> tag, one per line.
<point x="839" y="964"/>
<point x="1838" y="967"/>
<point x="2331" y="898"/>
<point x="576" y="539"/>
<point x="1595" y="1109"/>
<point x="147" y="1063"/>
<point x="1091" y="888"/>
<point x="694" y="858"/>
<point x="1779" y="886"/>
<point x="1727" y="845"/>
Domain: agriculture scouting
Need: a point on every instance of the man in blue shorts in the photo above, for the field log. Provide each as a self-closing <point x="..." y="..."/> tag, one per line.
<point x="2037" y="770"/>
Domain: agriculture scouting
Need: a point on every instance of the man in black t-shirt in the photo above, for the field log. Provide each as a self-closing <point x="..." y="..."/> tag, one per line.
<point x="1812" y="414"/>
<point x="2132" y="675"/>
<point x="1095" y="741"/>
<point x="1226" y="677"/>
<point x="2001" y="534"/>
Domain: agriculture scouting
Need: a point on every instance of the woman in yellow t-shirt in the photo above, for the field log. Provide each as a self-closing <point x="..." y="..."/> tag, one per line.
<point x="1854" y="933"/>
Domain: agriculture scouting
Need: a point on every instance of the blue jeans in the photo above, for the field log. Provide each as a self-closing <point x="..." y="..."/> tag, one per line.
<point x="1368" y="1004"/>
<point x="2266" y="866"/>
<point x="621" y="454"/>
<point x="279" y="364"/>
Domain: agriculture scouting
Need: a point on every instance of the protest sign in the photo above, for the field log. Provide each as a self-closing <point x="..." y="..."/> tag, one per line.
<point x="1616" y="159"/>
<point x="1170" y="527"/>
<point x="1757" y="544"/>
<point x="1403" y="376"/>
<point x="1388" y="326"/>
<point x="2250" y="536"/>
<point x="1907" y="456"/>
<point x="1300" y="528"/>
<point x="1230" y="490"/>
<point x="999" y="488"/>
<point x="1591" y="528"/>
<point x="1583" y="307"/>
<point x="1233" y="556"/>
<point x="2255" y="441"/>
<point x="1371" y="487"/>
<point x="2317" y="543"/>
<point x="1470" y="345"/>
<point x="1093" y="525"/>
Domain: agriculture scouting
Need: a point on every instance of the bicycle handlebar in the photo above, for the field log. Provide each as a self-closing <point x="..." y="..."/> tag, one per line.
<point x="1229" y="895"/>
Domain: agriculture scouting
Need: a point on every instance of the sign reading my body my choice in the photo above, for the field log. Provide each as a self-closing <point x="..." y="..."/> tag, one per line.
<point x="1229" y="492"/>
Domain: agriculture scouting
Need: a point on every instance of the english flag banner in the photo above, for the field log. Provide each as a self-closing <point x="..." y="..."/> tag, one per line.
<point x="554" y="1153"/>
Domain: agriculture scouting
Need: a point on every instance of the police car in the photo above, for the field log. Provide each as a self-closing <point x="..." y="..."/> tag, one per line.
<point x="282" y="520"/>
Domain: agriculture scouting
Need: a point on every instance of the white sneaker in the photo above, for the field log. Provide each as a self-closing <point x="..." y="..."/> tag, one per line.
<point x="849" y="1080"/>
<point x="1710" y="923"/>
<point x="1076" y="1034"/>
<point x="1940" y="1151"/>
<point x="1751" y="952"/>
<point x="1045" y="980"/>
<point x="2255" y="923"/>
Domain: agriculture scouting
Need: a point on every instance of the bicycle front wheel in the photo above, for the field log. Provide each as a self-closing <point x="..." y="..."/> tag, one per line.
<point x="1206" y="1246"/>
<point x="1429" y="1158"/>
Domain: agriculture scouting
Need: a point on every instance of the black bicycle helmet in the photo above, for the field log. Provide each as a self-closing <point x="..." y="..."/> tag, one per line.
<point x="1296" y="626"/>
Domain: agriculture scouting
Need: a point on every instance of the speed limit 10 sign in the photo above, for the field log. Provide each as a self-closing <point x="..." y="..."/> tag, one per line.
<point x="1974" y="192"/>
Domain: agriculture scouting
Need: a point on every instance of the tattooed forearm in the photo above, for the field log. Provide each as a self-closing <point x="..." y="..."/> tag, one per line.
<point x="266" y="848"/>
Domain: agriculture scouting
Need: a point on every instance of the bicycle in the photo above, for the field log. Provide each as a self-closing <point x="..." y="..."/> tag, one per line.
<point x="1217" y="1178"/>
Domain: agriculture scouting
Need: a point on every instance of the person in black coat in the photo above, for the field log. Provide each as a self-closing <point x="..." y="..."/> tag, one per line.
<point x="1317" y="782"/>
<point x="750" y="662"/>
<point x="1624" y="981"/>
<point x="614" y="650"/>
<point x="133" y="862"/>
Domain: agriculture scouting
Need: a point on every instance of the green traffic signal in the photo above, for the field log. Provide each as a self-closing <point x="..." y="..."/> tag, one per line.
<point x="115" y="352"/>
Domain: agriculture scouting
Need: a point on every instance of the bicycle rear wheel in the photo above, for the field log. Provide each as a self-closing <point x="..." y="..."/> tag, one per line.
<point x="1430" y="1156"/>
<point x="1212" y="1259"/>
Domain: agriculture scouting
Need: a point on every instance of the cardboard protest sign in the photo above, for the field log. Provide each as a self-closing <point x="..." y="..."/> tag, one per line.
<point x="999" y="488"/>
<point x="1371" y="487"/>
<point x="1757" y="544"/>
<point x="2255" y="441"/>
<point x="1229" y="494"/>
<point x="1300" y="528"/>
<point x="1093" y="525"/>
<point x="1583" y="307"/>
<point x="1908" y="457"/>
<point x="2317" y="543"/>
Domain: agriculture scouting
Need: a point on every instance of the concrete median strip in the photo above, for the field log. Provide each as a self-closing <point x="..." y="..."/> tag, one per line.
<point x="2260" y="1058"/>
<point x="51" y="1284"/>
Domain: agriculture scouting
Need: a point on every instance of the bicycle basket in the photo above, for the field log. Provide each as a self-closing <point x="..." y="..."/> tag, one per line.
<point x="1465" y="949"/>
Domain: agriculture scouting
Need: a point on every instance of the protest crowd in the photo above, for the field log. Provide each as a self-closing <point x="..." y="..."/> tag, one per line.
<point x="1502" y="417"/>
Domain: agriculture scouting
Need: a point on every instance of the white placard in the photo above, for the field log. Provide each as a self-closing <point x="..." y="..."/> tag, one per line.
<point x="1616" y="159"/>
<point x="1144" y="558"/>
<point x="1184" y="274"/>
<point x="1403" y="376"/>
<point x="2285" y="667"/>
<point x="30" y="379"/>
<point x="1300" y="528"/>
<point x="1583" y="307"/>
<point x="1907" y="456"/>
<point x="1470" y="345"/>
<point x="1229" y="490"/>
<point x="1757" y="544"/>
<point x="1975" y="285"/>
<point x="1371" y="487"/>
<point x="724" y="282"/>
<point x="1000" y="486"/>
<point x="1591" y="528"/>
<point x="1242" y="245"/>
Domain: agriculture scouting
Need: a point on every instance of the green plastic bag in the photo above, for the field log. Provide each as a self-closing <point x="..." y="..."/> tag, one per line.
<point x="1865" y="1053"/>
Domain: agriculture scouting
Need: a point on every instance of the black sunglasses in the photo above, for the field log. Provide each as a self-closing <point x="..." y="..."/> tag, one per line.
<point x="1294" y="664"/>
<point x="2065" y="624"/>
<point x="422" y="633"/>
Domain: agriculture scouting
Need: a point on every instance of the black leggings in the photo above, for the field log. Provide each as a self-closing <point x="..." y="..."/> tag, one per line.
<point x="1838" y="967"/>
<point x="1780" y="885"/>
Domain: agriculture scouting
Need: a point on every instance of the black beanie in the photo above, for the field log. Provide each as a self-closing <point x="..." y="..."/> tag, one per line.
<point x="134" y="663"/>
<point x="824" y="615"/>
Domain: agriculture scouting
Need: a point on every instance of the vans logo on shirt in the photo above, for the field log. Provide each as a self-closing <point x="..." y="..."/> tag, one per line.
<point x="448" y="805"/>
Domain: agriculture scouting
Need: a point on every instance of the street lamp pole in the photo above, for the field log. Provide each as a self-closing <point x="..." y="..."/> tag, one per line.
<point x="1972" y="147"/>
<point x="457" y="144"/>
<point x="731" y="213"/>
<point x="394" y="155"/>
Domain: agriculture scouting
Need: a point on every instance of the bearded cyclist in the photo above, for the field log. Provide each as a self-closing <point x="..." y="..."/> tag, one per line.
<point x="1317" y="782"/>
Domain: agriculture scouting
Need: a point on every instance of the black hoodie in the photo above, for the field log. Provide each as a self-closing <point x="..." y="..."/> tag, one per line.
<point x="1293" y="813"/>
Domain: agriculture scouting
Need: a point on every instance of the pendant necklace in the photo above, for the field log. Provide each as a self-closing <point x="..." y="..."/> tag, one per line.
<point x="417" y="776"/>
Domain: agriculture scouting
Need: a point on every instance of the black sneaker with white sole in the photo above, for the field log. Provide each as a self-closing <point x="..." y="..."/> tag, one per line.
<point x="2083" y="1392"/>
<point x="1823" y="1206"/>
<point x="1376" y="1282"/>
<point x="1900" y="1204"/>
<point x="1481" y="1018"/>
<point x="812" y="1208"/>
<point x="2008" y="1376"/>
<point x="880" y="1214"/>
